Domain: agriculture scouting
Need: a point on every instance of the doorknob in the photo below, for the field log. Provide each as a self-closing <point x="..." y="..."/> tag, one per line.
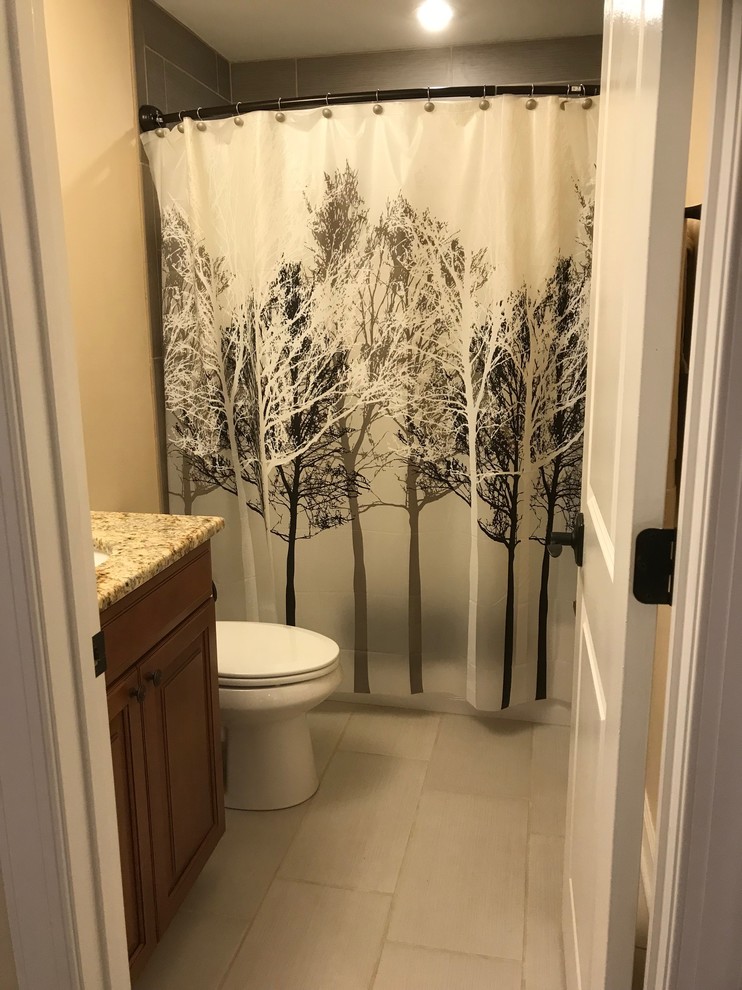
<point x="575" y="539"/>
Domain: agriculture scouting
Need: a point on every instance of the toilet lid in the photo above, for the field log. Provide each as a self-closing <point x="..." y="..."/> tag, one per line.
<point x="262" y="652"/>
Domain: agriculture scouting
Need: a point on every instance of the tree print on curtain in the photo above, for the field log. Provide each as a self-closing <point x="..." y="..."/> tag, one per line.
<point x="382" y="364"/>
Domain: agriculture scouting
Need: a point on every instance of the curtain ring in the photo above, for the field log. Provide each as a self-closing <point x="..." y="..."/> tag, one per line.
<point x="280" y="116"/>
<point x="201" y="125"/>
<point x="484" y="103"/>
<point x="586" y="101"/>
<point x="429" y="106"/>
<point x="377" y="107"/>
<point x="181" y="125"/>
<point x="326" y="112"/>
<point x="563" y="102"/>
<point x="238" y="120"/>
<point x="531" y="103"/>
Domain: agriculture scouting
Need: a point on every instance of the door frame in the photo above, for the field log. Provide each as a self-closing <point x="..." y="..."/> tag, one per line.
<point x="59" y="851"/>
<point x="56" y="783"/>
<point x="694" y="934"/>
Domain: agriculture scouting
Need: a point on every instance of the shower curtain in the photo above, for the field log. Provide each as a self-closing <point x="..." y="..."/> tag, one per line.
<point x="375" y="364"/>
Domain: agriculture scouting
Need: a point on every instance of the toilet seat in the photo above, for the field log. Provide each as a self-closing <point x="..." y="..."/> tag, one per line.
<point x="265" y="654"/>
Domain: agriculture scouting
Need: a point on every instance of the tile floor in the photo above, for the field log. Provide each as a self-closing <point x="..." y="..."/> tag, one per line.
<point x="429" y="859"/>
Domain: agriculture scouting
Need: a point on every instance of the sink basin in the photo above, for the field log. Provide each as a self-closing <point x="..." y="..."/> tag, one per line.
<point x="99" y="557"/>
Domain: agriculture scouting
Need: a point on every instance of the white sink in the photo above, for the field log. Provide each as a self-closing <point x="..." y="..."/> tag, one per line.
<point x="99" y="557"/>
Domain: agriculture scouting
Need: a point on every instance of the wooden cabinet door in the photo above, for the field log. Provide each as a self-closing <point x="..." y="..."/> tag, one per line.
<point x="183" y="754"/>
<point x="129" y="777"/>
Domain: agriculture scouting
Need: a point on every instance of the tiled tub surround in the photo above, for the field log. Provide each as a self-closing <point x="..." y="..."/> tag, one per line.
<point x="140" y="545"/>
<point x="429" y="859"/>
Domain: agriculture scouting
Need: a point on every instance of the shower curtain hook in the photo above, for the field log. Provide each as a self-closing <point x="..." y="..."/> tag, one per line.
<point x="238" y="120"/>
<point x="326" y="112"/>
<point x="377" y="107"/>
<point x="201" y="125"/>
<point x="563" y="103"/>
<point x="181" y="125"/>
<point x="280" y="116"/>
<point x="586" y="101"/>
<point x="484" y="103"/>
<point x="531" y="103"/>
<point x="429" y="107"/>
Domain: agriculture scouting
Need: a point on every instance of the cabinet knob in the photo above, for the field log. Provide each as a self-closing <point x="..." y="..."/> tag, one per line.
<point x="138" y="693"/>
<point x="156" y="677"/>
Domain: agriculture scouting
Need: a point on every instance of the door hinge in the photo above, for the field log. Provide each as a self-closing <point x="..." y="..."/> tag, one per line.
<point x="654" y="566"/>
<point x="99" y="653"/>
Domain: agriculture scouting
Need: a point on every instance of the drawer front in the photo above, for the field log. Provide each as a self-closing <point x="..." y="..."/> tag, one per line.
<point x="134" y="625"/>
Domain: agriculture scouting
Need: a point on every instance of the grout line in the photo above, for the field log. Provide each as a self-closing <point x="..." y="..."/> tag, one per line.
<point x="185" y="73"/>
<point x="341" y="737"/>
<point x="404" y="856"/>
<point x="452" y="952"/>
<point x="334" y="886"/>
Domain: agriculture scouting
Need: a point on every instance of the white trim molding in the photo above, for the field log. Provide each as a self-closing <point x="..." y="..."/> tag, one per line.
<point x="58" y="837"/>
<point x="649" y="856"/>
<point x="694" y="936"/>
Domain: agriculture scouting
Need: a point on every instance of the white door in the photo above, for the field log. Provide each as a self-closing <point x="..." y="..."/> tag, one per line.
<point x="648" y="59"/>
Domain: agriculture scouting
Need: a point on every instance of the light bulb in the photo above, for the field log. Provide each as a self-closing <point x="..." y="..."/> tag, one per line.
<point x="434" y="15"/>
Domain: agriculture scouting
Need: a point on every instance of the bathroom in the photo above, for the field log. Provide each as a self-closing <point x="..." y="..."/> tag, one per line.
<point x="388" y="691"/>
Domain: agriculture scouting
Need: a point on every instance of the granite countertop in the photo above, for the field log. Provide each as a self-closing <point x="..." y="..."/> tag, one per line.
<point x="140" y="545"/>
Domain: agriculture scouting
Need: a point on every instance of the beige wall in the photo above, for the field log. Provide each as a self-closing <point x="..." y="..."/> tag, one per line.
<point x="8" y="979"/>
<point x="701" y="120"/>
<point x="90" y="55"/>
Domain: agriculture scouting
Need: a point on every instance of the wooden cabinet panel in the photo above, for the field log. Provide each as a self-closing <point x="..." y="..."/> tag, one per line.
<point x="129" y="776"/>
<point x="139" y="621"/>
<point x="183" y="751"/>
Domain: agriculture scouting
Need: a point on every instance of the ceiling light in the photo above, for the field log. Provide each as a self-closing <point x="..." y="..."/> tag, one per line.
<point x="434" y="15"/>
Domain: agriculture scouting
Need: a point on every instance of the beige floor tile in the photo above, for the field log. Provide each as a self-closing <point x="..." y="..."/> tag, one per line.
<point x="326" y="725"/>
<point x="356" y="829"/>
<point x="549" y="770"/>
<point x="410" y="967"/>
<point x="194" y="954"/>
<point x="543" y="964"/>
<point x="391" y="732"/>
<point x="481" y="756"/>
<point x="308" y="937"/>
<point x="462" y="884"/>
<point x="236" y="878"/>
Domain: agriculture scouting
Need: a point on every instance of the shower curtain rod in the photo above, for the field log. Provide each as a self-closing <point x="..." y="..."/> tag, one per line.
<point x="151" y="117"/>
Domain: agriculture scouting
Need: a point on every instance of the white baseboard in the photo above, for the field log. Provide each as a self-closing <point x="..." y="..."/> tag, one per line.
<point x="649" y="855"/>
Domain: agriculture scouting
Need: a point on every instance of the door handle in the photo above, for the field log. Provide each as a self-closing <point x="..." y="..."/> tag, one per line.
<point x="575" y="539"/>
<point x="155" y="677"/>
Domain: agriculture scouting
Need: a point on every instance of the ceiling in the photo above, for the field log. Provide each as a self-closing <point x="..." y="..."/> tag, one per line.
<point x="247" y="30"/>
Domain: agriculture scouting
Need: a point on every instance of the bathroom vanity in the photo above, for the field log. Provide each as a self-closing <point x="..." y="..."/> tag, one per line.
<point x="158" y="623"/>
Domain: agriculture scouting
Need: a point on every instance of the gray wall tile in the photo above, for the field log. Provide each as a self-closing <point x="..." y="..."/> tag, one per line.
<point x="155" y="77"/>
<point x="177" y="44"/>
<point x="375" y="70"/>
<point x="551" y="60"/>
<point x="263" y="80"/>
<point x="224" y="81"/>
<point x="185" y="93"/>
<point x="137" y="29"/>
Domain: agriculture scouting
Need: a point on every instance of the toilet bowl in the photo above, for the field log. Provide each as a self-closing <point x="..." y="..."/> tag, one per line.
<point x="270" y="676"/>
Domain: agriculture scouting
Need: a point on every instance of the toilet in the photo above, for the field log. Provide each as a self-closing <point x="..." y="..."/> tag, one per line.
<point x="270" y="676"/>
